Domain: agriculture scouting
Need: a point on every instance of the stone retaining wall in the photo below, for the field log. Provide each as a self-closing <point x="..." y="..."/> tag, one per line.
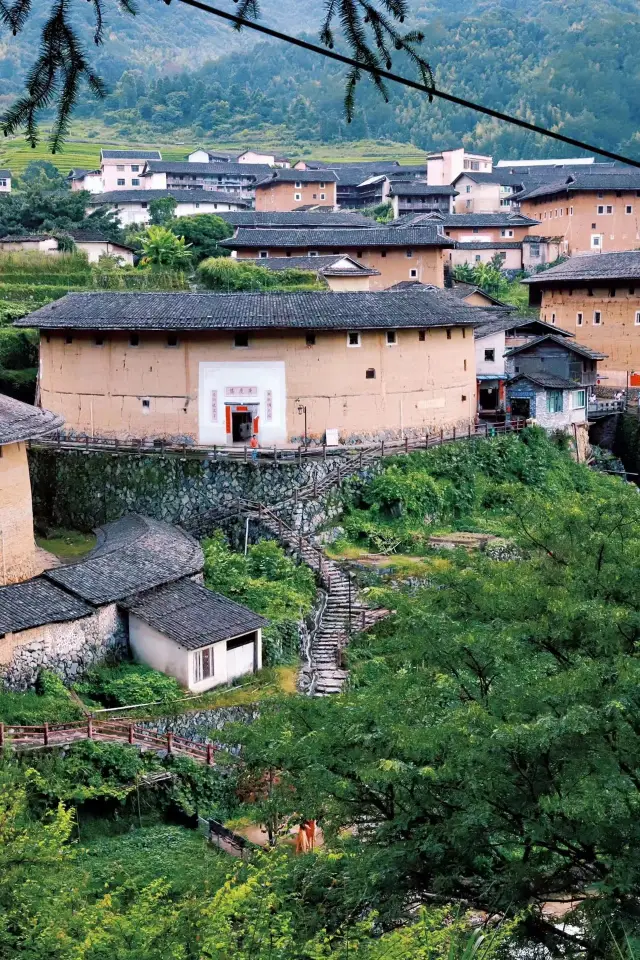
<point x="81" y="491"/>
<point x="196" y="725"/>
<point x="68" y="649"/>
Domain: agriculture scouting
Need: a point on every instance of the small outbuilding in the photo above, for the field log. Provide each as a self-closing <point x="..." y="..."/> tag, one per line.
<point x="199" y="637"/>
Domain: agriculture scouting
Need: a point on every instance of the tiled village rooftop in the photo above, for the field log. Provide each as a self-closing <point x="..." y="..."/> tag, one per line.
<point x="132" y="554"/>
<point x="427" y="235"/>
<point x="296" y="218"/>
<point x="414" y="188"/>
<point x="526" y="325"/>
<point x="549" y="381"/>
<point x="321" y="310"/>
<point x="130" y="154"/>
<point x="20" y="421"/>
<point x="325" y="265"/>
<point x="37" y="601"/>
<point x="176" y="167"/>
<point x="578" y="348"/>
<point x="192" y="615"/>
<point x="592" y="266"/>
<point x="146" y="196"/>
<point x="281" y="175"/>
<point x="628" y="180"/>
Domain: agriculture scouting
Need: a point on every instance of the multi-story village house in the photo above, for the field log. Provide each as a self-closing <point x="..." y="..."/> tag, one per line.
<point x="217" y="368"/>
<point x="132" y="206"/>
<point x="444" y="166"/>
<point x="409" y="254"/>
<point x="598" y="296"/>
<point x="591" y="210"/>
<point x="415" y="197"/>
<point x="235" y="178"/>
<point x="5" y="181"/>
<point x="122" y="169"/>
<point x="285" y="190"/>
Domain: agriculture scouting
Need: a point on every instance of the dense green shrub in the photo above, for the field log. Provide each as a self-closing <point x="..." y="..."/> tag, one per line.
<point x="127" y="684"/>
<point x="230" y="274"/>
<point x="49" y="703"/>
<point x="267" y="581"/>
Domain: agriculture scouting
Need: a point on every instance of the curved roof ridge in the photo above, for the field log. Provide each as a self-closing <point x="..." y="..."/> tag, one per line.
<point x="21" y="421"/>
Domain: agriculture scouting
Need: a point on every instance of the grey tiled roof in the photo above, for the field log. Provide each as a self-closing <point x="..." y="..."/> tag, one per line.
<point x="428" y="235"/>
<point x="466" y="220"/>
<point x="146" y="196"/>
<point x="593" y="266"/>
<point x="215" y="169"/>
<point x="282" y="175"/>
<point x="499" y="176"/>
<point x="562" y="342"/>
<point x="414" y="188"/>
<point x="133" y="554"/>
<point x="5" y="174"/>
<point x="524" y="324"/>
<point x="462" y="290"/>
<point x="548" y="380"/>
<point x="614" y="180"/>
<point x="193" y="616"/>
<point x="35" y="602"/>
<point x="131" y="154"/>
<point x="488" y="245"/>
<point x="295" y="219"/>
<point x="323" y="265"/>
<point x="21" y="421"/>
<point x="254" y="311"/>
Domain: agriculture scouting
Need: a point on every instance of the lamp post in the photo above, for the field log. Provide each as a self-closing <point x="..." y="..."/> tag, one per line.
<point x="302" y="409"/>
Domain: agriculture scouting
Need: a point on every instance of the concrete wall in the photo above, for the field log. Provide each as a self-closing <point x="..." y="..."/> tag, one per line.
<point x="100" y="390"/>
<point x="286" y="196"/>
<point x="48" y="245"/>
<point x="617" y="335"/>
<point x="494" y="342"/>
<point x="479" y="197"/>
<point x="96" y="249"/>
<point x="138" y="212"/>
<point x="17" y="547"/>
<point x="394" y="266"/>
<point x="111" y="174"/>
<point x="572" y="216"/>
<point x="69" y="649"/>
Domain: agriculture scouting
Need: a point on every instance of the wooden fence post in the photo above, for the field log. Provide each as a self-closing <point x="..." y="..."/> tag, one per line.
<point x="426" y="440"/>
<point x="1" y="734"/>
<point x="324" y="451"/>
<point x="469" y="429"/>
<point x="130" y="733"/>
<point x="169" y="741"/>
<point x="46" y="734"/>
<point x="209" y="754"/>
<point x="382" y="448"/>
<point x="441" y="434"/>
<point x="90" y="729"/>
<point x="486" y="430"/>
<point x="454" y="431"/>
<point x="245" y="453"/>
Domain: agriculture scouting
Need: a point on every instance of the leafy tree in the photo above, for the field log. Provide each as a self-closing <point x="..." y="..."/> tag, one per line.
<point x="488" y="749"/>
<point x="41" y="171"/>
<point x="40" y="208"/>
<point x="161" y="248"/>
<point x="161" y="211"/>
<point x="383" y="213"/>
<point x="203" y="233"/>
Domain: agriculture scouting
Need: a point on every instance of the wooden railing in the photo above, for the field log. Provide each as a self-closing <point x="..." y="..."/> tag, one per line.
<point x="22" y="737"/>
<point x="270" y="454"/>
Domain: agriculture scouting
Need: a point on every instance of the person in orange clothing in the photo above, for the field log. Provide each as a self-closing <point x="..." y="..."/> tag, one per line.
<point x="302" y="840"/>
<point x="253" y="443"/>
<point x="310" y="830"/>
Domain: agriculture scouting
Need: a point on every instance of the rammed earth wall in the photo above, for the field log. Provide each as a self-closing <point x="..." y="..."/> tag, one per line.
<point x="81" y="491"/>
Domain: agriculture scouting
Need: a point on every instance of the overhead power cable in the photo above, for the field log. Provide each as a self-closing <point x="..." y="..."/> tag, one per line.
<point x="413" y="84"/>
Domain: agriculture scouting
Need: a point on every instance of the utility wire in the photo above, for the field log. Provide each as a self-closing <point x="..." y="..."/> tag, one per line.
<point x="413" y="84"/>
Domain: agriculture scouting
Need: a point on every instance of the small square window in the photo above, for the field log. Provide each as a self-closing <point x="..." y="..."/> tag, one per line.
<point x="618" y="193"/>
<point x="609" y="209"/>
<point x="579" y="319"/>
<point x="409" y="253"/>
<point x="310" y="339"/>
<point x="120" y="181"/>
<point x="263" y="254"/>
<point x="637" y="318"/>
<point x="134" y="168"/>
<point x="422" y="335"/>
<point x="322" y="184"/>
<point x="99" y="341"/>
<point x="463" y="397"/>
<point x="312" y="253"/>
<point x="413" y="273"/>
<point x="322" y="196"/>
<point x="314" y="196"/>
<point x="570" y="211"/>
<point x="589" y="291"/>
<point x="172" y="339"/>
<point x="135" y="182"/>
<point x="134" y="340"/>
<point x="353" y="338"/>
<point x="358" y="254"/>
<point x="146" y="404"/>
<point x="597" y="318"/>
<point x="297" y="196"/>
<point x="298" y="185"/>
<point x="612" y="292"/>
<point x="120" y="167"/>
<point x="197" y="206"/>
<point x="370" y="374"/>
<point x="449" y="334"/>
<point x="241" y="340"/>
<point x="383" y="253"/>
<point x="464" y="364"/>
<point x="593" y="226"/>
<point x="632" y="291"/>
<point x="68" y="338"/>
<point x="600" y="194"/>
<point x="490" y="355"/>
<point x="600" y="209"/>
<point x="628" y="208"/>
<point x="392" y="338"/>
<point x="143" y="205"/>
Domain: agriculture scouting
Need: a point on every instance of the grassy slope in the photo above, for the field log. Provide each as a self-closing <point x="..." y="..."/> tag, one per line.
<point x="83" y="149"/>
